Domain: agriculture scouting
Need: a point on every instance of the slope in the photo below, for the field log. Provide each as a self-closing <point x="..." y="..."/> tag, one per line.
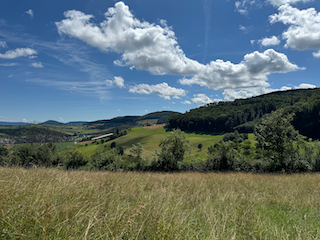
<point x="242" y="114"/>
<point x="150" y="139"/>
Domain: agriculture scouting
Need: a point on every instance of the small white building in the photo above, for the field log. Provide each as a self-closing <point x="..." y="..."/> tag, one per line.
<point x="102" y="136"/>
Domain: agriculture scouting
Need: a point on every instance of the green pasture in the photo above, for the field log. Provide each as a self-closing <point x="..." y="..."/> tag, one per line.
<point x="150" y="139"/>
<point x="63" y="145"/>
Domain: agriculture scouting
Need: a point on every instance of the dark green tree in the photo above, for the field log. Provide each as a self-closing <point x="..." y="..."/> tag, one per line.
<point x="172" y="151"/>
<point x="137" y="150"/>
<point x="113" y="145"/>
<point x="106" y="159"/>
<point x="276" y="135"/>
<point x="73" y="159"/>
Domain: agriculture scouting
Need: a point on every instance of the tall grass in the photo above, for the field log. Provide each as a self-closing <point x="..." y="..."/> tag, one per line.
<point x="52" y="204"/>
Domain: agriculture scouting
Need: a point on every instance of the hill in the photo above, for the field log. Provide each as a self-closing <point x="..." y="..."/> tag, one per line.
<point x="242" y="114"/>
<point x="150" y="139"/>
<point x="33" y="134"/>
<point x="125" y="122"/>
<point x="51" y="122"/>
<point x="76" y="123"/>
<point x="161" y="116"/>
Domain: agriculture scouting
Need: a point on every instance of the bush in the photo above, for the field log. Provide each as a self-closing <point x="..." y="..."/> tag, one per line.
<point x="73" y="159"/>
<point x="3" y="154"/>
<point x="235" y="137"/>
<point x="223" y="157"/>
<point x="172" y="151"/>
<point x="104" y="159"/>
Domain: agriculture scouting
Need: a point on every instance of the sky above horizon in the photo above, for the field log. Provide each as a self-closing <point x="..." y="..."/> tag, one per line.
<point x="88" y="60"/>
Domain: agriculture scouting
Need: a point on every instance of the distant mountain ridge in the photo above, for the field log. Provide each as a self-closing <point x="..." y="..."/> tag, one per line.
<point x="14" y="123"/>
<point x="52" y="122"/>
<point x="132" y="121"/>
<point x="56" y="123"/>
<point x="162" y="117"/>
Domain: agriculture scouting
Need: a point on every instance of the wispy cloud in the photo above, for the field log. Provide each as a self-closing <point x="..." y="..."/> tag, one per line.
<point x="207" y="19"/>
<point x="37" y="65"/>
<point x="245" y="29"/>
<point x="3" y="44"/>
<point x="18" y="52"/>
<point x="8" y="64"/>
<point x="30" y="12"/>
<point x="92" y="89"/>
<point x="67" y="51"/>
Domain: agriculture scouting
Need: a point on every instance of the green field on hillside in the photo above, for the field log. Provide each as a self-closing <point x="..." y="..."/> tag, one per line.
<point x="150" y="140"/>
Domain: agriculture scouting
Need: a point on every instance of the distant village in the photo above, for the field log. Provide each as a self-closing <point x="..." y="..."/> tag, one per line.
<point x="42" y="139"/>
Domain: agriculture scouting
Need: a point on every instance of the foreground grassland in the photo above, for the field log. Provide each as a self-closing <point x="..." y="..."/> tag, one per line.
<point x="52" y="204"/>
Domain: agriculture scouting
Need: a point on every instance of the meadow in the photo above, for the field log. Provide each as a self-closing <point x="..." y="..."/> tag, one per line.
<point x="53" y="204"/>
<point x="150" y="139"/>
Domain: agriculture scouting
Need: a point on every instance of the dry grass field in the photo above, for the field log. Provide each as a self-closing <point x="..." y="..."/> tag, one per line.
<point x="53" y="204"/>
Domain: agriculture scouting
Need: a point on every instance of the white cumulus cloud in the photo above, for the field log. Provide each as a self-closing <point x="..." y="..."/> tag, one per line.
<point x="230" y="94"/>
<point x="244" y="6"/>
<point x="305" y="86"/>
<point x="201" y="98"/>
<point x="304" y="27"/>
<point x="241" y="6"/>
<point x="30" y="12"/>
<point x="18" y="52"/>
<point x="282" y="2"/>
<point x="251" y="72"/>
<point x="186" y="102"/>
<point x="154" y="48"/>
<point x="316" y="54"/>
<point x="37" y="65"/>
<point x="269" y="41"/>
<point x="119" y="81"/>
<point x="162" y="89"/>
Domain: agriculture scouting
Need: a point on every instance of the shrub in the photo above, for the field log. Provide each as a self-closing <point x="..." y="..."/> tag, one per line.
<point x="104" y="159"/>
<point x="222" y="157"/>
<point x="73" y="159"/>
<point x="172" y="151"/>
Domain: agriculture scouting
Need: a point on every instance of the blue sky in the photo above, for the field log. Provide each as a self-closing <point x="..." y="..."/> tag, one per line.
<point x="88" y="60"/>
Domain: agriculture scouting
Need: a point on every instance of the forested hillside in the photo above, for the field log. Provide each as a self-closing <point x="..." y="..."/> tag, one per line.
<point x="242" y="114"/>
<point x="161" y="116"/>
<point x="131" y="121"/>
